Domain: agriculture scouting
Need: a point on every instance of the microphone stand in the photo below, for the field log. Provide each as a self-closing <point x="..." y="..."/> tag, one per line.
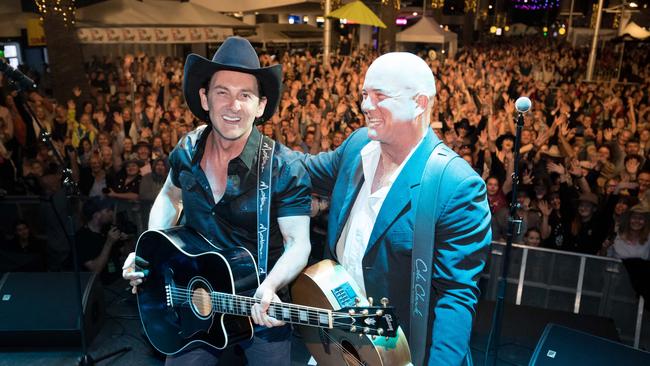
<point x="72" y="191"/>
<point x="492" y="349"/>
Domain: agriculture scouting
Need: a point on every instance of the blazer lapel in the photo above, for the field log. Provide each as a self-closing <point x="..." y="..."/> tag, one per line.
<point x="353" y="187"/>
<point x="399" y="195"/>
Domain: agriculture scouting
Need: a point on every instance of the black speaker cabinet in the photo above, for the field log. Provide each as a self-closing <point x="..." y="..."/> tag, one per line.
<point x="40" y="309"/>
<point x="561" y="346"/>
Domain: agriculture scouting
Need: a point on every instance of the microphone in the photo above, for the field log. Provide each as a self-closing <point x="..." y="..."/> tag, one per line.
<point x="523" y="104"/>
<point x="16" y="76"/>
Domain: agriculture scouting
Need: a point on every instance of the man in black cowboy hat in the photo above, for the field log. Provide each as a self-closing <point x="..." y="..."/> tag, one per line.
<point x="214" y="179"/>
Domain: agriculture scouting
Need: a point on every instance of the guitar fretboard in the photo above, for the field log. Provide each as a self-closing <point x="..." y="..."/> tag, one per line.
<point x="290" y="313"/>
<point x="241" y="305"/>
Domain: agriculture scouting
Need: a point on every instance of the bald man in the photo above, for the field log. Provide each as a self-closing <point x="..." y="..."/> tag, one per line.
<point x="375" y="178"/>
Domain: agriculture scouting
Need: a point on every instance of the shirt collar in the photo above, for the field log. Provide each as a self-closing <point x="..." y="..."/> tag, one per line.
<point x="248" y="155"/>
<point x="370" y="158"/>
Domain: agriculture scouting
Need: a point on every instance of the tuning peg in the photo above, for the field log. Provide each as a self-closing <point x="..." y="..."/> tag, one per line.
<point x="351" y="312"/>
<point x="384" y="301"/>
<point x="360" y="335"/>
<point x="370" y="300"/>
<point x="357" y="300"/>
<point x="380" y="331"/>
<point x="374" y="337"/>
<point x="379" y="313"/>
<point x="353" y="329"/>
<point x="364" y="311"/>
<point x="366" y="329"/>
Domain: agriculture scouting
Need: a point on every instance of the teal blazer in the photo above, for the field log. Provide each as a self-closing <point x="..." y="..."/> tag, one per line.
<point x="461" y="245"/>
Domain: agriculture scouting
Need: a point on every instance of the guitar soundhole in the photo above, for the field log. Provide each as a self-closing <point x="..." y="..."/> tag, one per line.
<point x="350" y="354"/>
<point x="201" y="302"/>
<point x="200" y="297"/>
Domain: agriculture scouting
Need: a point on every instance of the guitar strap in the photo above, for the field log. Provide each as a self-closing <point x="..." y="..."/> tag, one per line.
<point x="423" y="249"/>
<point x="264" y="170"/>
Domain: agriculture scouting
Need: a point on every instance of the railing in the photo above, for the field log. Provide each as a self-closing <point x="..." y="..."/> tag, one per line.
<point x="573" y="282"/>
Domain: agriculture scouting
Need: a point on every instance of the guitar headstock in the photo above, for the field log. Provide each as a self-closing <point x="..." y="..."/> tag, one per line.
<point x="371" y="320"/>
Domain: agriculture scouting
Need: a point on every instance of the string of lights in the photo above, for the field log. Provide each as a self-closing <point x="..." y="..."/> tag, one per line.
<point x="437" y="4"/>
<point x="58" y="8"/>
<point x="471" y="6"/>
<point x="396" y="3"/>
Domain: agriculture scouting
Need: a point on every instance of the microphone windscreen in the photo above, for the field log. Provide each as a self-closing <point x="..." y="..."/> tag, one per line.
<point x="523" y="104"/>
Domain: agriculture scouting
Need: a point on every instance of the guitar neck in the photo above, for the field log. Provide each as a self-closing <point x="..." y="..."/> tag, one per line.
<point x="289" y="313"/>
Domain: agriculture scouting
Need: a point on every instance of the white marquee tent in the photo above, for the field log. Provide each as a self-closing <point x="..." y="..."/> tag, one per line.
<point x="427" y="30"/>
<point x="153" y="13"/>
<point x="286" y="34"/>
<point x="154" y="26"/>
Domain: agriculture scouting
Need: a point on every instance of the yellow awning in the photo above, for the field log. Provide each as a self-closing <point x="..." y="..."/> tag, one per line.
<point x="357" y="12"/>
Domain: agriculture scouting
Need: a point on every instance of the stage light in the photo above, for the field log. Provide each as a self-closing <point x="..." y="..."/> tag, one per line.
<point x="634" y="5"/>
<point x="506" y="28"/>
<point x="562" y="31"/>
<point x="493" y="29"/>
<point x="400" y="21"/>
<point x="545" y="29"/>
<point x="415" y="13"/>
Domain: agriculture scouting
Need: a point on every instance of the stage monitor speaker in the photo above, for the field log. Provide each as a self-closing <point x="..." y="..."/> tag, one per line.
<point x="40" y="309"/>
<point x="561" y="346"/>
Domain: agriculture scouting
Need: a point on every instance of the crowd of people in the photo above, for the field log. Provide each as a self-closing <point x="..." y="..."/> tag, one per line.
<point x="585" y="174"/>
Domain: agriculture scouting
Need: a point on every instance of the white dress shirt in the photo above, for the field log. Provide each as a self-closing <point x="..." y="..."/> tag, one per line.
<point x="353" y="242"/>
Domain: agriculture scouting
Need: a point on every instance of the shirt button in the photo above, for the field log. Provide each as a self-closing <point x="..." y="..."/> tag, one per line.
<point x="213" y="213"/>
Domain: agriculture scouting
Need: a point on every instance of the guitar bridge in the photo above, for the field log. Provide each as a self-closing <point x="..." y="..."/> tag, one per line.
<point x="168" y="296"/>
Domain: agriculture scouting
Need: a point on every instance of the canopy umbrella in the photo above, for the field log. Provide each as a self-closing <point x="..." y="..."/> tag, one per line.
<point x="357" y="12"/>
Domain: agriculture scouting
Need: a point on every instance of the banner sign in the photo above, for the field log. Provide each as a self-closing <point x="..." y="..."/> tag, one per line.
<point x="154" y="35"/>
<point x="35" y="33"/>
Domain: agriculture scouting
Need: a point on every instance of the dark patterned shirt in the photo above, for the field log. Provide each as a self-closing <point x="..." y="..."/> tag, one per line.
<point x="233" y="220"/>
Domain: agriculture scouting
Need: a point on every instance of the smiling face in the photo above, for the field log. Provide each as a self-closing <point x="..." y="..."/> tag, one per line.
<point x="233" y="102"/>
<point x="393" y="99"/>
<point x="533" y="238"/>
<point x="637" y="221"/>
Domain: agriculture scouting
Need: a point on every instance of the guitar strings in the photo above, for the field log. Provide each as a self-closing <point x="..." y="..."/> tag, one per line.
<point x="237" y="300"/>
<point x="184" y="293"/>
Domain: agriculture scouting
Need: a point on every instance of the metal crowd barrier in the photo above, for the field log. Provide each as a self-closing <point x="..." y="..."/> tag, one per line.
<point x="572" y="282"/>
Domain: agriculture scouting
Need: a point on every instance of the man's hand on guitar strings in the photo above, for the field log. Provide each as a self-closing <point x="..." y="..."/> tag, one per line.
<point x="259" y="311"/>
<point x="133" y="271"/>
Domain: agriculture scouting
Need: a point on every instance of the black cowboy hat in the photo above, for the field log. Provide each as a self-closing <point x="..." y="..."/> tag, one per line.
<point x="235" y="54"/>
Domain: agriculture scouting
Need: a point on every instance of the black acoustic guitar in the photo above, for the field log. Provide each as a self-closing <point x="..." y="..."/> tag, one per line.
<point x="196" y="293"/>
